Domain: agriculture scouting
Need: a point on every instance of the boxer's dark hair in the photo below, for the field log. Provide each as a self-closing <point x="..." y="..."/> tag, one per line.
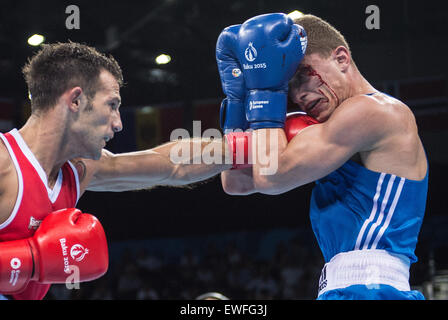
<point x="60" y="66"/>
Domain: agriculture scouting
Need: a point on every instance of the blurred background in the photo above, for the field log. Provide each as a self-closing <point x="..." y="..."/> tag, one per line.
<point x="177" y="243"/>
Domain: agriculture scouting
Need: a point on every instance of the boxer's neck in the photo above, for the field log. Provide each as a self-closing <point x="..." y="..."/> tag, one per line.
<point x="45" y="135"/>
<point x="357" y="84"/>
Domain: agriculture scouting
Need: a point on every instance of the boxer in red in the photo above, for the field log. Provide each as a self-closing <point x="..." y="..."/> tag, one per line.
<point x="57" y="155"/>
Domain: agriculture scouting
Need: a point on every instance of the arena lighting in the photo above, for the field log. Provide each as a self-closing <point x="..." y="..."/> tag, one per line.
<point x="36" y="39"/>
<point x="295" y="14"/>
<point x="163" y="59"/>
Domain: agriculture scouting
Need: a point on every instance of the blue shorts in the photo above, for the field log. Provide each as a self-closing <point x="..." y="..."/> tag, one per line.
<point x="362" y="292"/>
<point x="2" y="297"/>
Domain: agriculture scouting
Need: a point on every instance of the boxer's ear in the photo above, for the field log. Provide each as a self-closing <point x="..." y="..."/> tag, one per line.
<point x="341" y="55"/>
<point x="73" y="98"/>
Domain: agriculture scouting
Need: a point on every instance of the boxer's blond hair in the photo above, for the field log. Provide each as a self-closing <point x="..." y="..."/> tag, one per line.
<point x="323" y="38"/>
<point x="58" y="67"/>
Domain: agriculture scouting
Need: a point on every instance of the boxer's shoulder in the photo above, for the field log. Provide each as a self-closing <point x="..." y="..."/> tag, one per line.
<point x="380" y="111"/>
<point x="4" y="155"/>
<point x="391" y="141"/>
<point x="6" y="166"/>
<point x="397" y="115"/>
<point x="87" y="169"/>
<point x="8" y="179"/>
<point x="372" y="122"/>
<point x="391" y="105"/>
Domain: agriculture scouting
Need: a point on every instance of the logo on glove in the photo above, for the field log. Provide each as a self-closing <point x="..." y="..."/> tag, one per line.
<point x="303" y="40"/>
<point x="15" y="265"/>
<point x="250" y="53"/>
<point x="236" y="72"/>
<point x="257" y="104"/>
<point x="77" y="252"/>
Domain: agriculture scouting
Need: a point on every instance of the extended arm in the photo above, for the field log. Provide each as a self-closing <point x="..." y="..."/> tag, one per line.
<point x="174" y="163"/>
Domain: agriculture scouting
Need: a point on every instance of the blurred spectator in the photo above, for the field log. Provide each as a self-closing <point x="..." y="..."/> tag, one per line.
<point x="291" y="273"/>
<point x="60" y="292"/>
<point x="263" y="285"/>
<point x="102" y="291"/>
<point x="189" y="259"/>
<point x="129" y="282"/>
<point x="233" y="254"/>
<point x="204" y="275"/>
<point x="147" y="292"/>
<point x="148" y="262"/>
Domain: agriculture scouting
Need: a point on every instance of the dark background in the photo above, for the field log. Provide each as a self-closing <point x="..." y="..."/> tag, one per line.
<point x="406" y="57"/>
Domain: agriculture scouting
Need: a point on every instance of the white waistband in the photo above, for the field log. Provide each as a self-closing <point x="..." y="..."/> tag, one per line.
<point x="365" y="267"/>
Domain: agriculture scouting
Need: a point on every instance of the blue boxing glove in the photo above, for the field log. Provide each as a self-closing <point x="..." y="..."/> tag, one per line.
<point x="270" y="48"/>
<point x="232" y="113"/>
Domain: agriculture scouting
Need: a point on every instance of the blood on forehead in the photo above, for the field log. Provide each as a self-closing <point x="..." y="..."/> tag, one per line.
<point x="306" y="75"/>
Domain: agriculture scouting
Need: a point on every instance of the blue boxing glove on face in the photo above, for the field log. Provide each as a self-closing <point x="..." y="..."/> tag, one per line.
<point x="270" y="48"/>
<point x="232" y="113"/>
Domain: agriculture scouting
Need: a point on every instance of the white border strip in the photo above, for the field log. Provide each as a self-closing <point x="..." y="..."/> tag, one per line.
<point x="372" y="213"/>
<point x="390" y="214"/>
<point x="75" y="173"/>
<point x="52" y="194"/>
<point x="20" y="180"/>
<point x="379" y="220"/>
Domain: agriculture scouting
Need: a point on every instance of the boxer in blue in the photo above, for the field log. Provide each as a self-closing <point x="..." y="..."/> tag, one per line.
<point x="365" y="155"/>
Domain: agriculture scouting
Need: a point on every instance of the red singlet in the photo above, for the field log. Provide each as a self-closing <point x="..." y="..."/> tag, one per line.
<point x="35" y="200"/>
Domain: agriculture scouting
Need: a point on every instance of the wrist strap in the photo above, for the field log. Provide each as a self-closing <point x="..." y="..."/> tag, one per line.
<point x="240" y="147"/>
<point x="16" y="266"/>
<point x="232" y="115"/>
<point x="266" y="109"/>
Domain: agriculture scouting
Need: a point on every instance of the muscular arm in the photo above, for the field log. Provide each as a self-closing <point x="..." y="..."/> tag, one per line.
<point x="356" y="126"/>
<point x="238" y="182"/>
<point x="168" y="164"/>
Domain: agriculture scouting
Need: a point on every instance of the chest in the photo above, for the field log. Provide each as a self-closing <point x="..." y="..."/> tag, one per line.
<point x="28" y="200"/>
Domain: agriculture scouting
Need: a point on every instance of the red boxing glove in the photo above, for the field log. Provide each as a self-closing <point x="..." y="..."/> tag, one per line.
<point x="240" y="146"/>
<point x="64" y="239"/>
<point x="296" y="122"/>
